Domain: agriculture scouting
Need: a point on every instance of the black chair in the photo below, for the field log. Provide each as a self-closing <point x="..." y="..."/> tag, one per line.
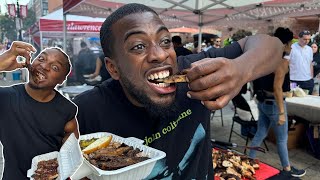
<point x="212" y="115"/>
<point x="240" y="102"/>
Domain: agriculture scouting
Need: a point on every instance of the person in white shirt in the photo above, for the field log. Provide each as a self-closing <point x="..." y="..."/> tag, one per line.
<point x="301" y="56"/>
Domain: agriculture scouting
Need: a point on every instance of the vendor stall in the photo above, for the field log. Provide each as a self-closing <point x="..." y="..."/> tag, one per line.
<point x="51" y="26"/>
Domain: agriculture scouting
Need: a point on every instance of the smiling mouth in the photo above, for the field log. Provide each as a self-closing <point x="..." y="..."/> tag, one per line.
<point x="39" y="76"/>
<point x="155" y="77"/>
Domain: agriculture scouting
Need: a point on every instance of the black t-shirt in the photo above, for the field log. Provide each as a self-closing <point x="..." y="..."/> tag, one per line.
<point x="184" y="134"/>
<point x="266" y="83"/>
<point x="316" y="60"/>
<point x="181" y="51"/>
<point x="29" y="128"/>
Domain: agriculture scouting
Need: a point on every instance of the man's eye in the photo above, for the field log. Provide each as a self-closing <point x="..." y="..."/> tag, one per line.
<point x="165" y="42"/>
<point x="55" y="68"/>
<point x="138" y="47"/>
<point x="40" y="58"/>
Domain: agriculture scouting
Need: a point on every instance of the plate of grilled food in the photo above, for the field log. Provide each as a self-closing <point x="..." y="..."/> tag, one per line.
<point x="230" y="165"/>
<point x="109" y="156"/>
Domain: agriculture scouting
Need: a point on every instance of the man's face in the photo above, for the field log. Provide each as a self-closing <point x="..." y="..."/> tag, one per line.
<point x="143" y="52"/>
<point x="217" y="42"/>
<point x="304" y="40"/>
<point x="49" y="69"/>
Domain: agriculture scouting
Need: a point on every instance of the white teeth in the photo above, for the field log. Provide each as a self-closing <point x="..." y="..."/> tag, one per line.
<point x="162" y="74"/>
<point x="162" y="85"/>
<point x="40" y="76"/>
<point x="156" y="76"/>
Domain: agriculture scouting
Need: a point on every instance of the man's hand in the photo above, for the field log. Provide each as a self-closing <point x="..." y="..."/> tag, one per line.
<point x="282" y="119"/>
<point x="8" y="60"/>
<point x="215" y="81"/>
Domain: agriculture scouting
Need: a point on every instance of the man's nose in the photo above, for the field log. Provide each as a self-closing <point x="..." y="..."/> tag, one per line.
<point x="45" y="66"/>
<point x="157" y="54"/>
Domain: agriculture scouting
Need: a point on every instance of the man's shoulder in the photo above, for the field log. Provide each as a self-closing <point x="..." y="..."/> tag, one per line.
<point x="97" y="94"/>
<point x="12" y="89"/>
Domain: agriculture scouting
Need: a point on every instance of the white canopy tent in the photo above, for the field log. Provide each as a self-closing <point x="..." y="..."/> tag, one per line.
<point x="51" y="25"/>
<point x="199" y="13"/>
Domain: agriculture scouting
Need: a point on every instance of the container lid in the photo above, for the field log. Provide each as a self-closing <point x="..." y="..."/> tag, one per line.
<point x="70" y="157"/>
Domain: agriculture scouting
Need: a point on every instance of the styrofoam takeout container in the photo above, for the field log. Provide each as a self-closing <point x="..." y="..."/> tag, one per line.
<point x="136" y="171"/>
<point x="69" y="159"/>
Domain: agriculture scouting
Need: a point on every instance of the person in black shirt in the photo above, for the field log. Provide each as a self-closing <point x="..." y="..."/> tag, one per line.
<point x="100" y="69"/>
<point x="178" y="47"/>
<point x="35" y="118"/>
<point x="169" y="117"/>
<point x="86" y="62"/>
<point x="316" y="61"/>
<point x="272" y="106"/>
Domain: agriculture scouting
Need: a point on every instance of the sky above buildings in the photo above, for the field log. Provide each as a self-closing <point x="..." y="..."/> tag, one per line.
<point x="3" y="4"/>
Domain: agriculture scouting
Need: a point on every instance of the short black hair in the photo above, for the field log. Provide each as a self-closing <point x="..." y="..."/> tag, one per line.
<point x="176" y="39"/>
<point x="83" y="44"/>
<point x="305" y="32"/>
<point x="284" y="34"/>
<point x="106" y="37"/>
<point x="68" y="64"/>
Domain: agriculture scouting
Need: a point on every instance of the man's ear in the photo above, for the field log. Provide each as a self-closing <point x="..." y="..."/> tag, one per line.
<point x="112" y="68"/>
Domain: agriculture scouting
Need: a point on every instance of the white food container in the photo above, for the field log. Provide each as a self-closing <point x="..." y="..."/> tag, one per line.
<point x="69" y="159"/>
<point x="136" y="171"/>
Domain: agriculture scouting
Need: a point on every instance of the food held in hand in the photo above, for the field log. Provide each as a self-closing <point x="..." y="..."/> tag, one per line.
<point x="46" y="170"/>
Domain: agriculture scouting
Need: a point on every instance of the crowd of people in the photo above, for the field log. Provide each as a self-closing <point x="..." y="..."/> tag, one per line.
<point x="138" y="49"/>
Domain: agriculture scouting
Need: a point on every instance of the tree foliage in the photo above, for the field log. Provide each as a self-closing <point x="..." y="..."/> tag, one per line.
<point x="8" y="25"/>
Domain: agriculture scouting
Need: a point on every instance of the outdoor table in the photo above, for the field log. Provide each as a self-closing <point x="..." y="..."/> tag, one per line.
<point x="307" y="107"/>
<point x="73" y="91"/>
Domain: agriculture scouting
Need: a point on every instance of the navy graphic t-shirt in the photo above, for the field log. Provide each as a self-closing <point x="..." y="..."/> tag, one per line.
<point x="184" y="134"/>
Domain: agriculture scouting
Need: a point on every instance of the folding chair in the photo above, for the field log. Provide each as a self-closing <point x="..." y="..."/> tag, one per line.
<point x="212" y="115"/>
<point x="240" y="102"/>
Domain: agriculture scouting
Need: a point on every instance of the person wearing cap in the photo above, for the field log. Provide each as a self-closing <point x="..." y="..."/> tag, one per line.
<point x="301" y="66"/>
<point x="35" y="118"/>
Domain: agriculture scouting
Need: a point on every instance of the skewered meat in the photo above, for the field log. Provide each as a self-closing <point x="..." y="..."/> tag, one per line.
<point x="229" y="165"/>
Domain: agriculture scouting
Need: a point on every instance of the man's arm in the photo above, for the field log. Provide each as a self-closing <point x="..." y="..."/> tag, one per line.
<point x="277" y="88"/>
<point x="70" y="127"/>
<point x="8" y="60"/>
<point x="215" y="81"/>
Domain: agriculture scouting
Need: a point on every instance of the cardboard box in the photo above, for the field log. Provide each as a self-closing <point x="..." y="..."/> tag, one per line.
<point x="296" y="136"/>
